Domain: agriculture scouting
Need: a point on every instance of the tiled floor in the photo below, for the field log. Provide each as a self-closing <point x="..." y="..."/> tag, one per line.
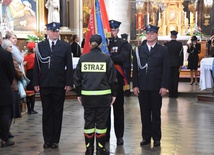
<point x="187" y="129"/>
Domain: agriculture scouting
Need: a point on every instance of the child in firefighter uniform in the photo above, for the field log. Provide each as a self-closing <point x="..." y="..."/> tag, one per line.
<point x="96" y="84"/>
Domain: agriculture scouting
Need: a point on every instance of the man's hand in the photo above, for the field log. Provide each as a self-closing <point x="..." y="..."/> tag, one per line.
<point x="136" y="91"/>
<point x="163" y="92"/>
<point x="113" y="100"/>
<point x="67" y="88"/>
<point x="79" y="99"/>
<point x="36" y="88"/>
<point x="179" y="70"/>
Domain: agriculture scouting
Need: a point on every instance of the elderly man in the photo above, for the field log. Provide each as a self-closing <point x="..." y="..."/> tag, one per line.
<point x="52" y="78"/>
<point x="150" y="83"/>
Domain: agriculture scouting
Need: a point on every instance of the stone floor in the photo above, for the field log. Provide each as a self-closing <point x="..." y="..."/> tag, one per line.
<point x="187" y="129"/>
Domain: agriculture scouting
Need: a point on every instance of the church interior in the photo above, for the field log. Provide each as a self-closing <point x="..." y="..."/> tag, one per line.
<point x="187" y="124"/>
<point x="188" y="17"/>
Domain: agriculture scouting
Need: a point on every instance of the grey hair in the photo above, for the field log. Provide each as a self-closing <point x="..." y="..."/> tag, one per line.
<point x="6" y="43"/>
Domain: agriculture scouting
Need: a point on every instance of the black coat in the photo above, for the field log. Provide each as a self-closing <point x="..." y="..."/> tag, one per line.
<point x="75" y="49"/>
<point x="156" y="76"/>
<point x="7" y="74"/>
<point x="120" y="52"/>
<point x="175" y="49"/>
<point x="193" y="56"/>
<point x="57" y="73"/>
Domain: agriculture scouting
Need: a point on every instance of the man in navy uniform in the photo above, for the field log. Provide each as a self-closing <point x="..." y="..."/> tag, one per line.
<point x="175" y="49"/>
<point x="52" y="78"/>
<point x="119" y="52"/>
<point x="127" y="65"/>
<point x="150" y="83"/>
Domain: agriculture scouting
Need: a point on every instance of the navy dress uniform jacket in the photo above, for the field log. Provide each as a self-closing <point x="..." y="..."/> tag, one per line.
<point x="7" y="73"/>
<point x="56" y="73"/>
<point x="175" y="49"/>
<point x="156" y="76"/>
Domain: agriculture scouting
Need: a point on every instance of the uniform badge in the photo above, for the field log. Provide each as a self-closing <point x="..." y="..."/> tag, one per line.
<point x="114" y="50"/>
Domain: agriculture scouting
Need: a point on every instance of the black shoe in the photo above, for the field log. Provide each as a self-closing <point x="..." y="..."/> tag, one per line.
<point x="54" y="145"/>
<point x="34" y="112"/>
<point x="7" y="143"/>
<point x="120" y="141"/>
<point x="144" y="142"/>
<point x="89" y="151"/>
<point x="102" y="151"/>
<point x="10" y="135"/>
<point x="191" y="83"/>
<point x="46" y="145"/>
<point x="156" y="143"/>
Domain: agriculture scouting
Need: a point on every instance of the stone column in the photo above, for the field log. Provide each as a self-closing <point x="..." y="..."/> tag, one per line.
<point x="120" y="10"/>
<point x="78" y="18"/>
<point x="64" y="14"/>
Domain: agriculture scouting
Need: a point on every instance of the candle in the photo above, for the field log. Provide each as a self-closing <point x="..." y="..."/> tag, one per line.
<point x="147" y="18"/>
<point x="185" y="15"/>
<point x="164" y="18"/>
<point x="196" y="17"/>
<point x="191" y="18"/>
<point x="159" y="16"/>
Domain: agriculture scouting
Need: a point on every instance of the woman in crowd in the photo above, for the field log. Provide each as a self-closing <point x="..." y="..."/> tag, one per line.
<point x="194" y="49"/>
<point x="29" y="59"/>
<point x="7" y="73"/>
<point x="16" y="111"/>
<point x="15" y="50"/>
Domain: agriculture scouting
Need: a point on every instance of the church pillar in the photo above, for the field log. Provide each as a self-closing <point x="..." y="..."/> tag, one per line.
<point x="120" y="10"/>
<point x="64" y="14"/>
<point x="78" y="18"/>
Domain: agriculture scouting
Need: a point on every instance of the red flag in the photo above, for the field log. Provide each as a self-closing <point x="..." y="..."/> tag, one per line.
<point x="93" y="24"/>
<point x="90" y="31"/>
<point x="104" y="17"/>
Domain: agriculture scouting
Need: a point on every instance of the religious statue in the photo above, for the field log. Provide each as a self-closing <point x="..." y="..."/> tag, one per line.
<point x="53" y="7"/>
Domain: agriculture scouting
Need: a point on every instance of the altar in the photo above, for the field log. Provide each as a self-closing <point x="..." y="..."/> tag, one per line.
<point x="206" y="79"/>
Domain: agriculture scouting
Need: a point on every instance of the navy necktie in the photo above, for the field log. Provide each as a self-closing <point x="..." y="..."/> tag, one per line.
<point x="52" y="46"/>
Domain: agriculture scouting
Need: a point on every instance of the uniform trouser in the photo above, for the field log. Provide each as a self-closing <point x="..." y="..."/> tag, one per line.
<point x="5" y="117"/>
<point x="52" y="104"/>
<point x="150" y="108"/>
<point x="118" y="110"/>
<point x="96" y="117"/>
<point x="173" y="81"/>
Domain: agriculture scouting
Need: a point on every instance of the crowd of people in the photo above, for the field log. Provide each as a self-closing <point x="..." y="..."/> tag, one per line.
<point x="101" y="82"/>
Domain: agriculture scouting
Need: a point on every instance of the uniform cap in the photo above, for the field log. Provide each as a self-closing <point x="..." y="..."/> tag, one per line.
<point x="152" y="28"/>
<point x="53" y="26"/>
<point x="174" y="33"/>
<point x="124" y="36"/>
<point x="194" y="38"/>
<point x="31" y="45"/>
<point x="114" y="24"/>
<point x="96" y="38"/>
